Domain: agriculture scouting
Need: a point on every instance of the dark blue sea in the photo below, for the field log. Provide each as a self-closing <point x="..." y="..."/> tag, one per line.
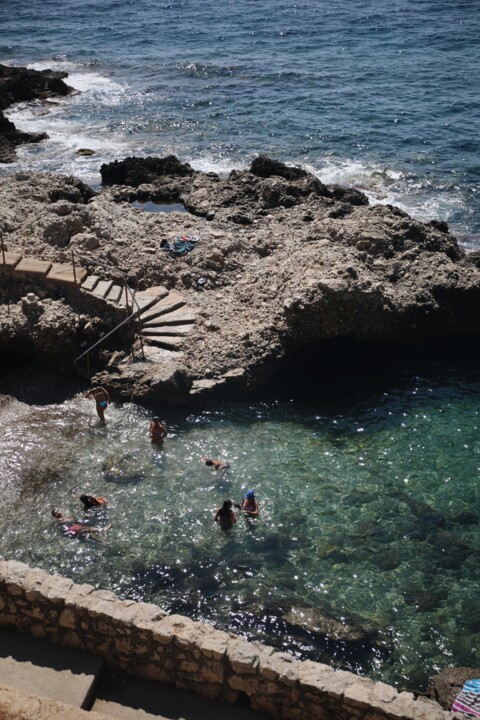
<point x="384" y="96"/>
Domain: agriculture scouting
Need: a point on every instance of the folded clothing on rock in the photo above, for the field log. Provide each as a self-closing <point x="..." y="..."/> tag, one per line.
<point x="181" y="244"/>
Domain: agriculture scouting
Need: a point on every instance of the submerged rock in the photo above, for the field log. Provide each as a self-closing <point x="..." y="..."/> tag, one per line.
<point x="317" y="621"/>
<point x="123" y="469"/>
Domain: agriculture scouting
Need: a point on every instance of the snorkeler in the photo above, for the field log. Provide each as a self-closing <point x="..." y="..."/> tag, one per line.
<point x="216" y="464"/>
<point x="102" y="400"/>
<point x="249" y="504"/>
<point x="89" y="502"/>
<point x="225" y="515"/>
<point x="158" y="431"/>
<point x="72" y="528"/>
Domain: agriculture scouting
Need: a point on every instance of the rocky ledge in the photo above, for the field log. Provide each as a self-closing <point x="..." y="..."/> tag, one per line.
<point x="283" y="263"/>
<point x="19" y="84"/>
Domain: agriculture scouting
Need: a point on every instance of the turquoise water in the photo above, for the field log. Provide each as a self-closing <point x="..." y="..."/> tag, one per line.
<point x="381" y="95"/>
<point x="369" y="512"/>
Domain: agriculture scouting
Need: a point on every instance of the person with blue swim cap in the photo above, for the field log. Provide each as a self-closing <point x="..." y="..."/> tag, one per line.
<point x="249" y="504"/>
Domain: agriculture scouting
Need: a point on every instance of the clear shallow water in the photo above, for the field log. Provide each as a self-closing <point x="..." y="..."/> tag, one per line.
<point x="369" y="510"/>
<point x="383" y="96"/>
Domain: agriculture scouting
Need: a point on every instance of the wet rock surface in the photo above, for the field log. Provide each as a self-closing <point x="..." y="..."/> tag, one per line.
<point x="283" y="263"/>
<point x="19" y="84"/>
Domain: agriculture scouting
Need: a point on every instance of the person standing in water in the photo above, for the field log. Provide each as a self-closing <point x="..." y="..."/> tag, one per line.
<point x="225" y="515"/>
<point x="102" y="400"/>
<point x="249" y="504"/>
<point x="158" y="431"/>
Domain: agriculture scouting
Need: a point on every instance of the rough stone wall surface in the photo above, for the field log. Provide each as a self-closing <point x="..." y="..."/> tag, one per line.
<point x="143" y="640"/>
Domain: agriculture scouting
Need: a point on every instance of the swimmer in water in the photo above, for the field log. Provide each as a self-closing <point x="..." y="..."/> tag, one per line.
<point x="89" y="502"/>
<point x="249" y="505"/>
<point x="72" y="528"/>
<point x="158" y="431"/>
<point x="102" y="401"/>
<point x="216" y="464"/>
<point x="225" y="515"/>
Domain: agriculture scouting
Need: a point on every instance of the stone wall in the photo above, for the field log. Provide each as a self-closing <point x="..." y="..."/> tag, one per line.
<point x="143" y="640"/>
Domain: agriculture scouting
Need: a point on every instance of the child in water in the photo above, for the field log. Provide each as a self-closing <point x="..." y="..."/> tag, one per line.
<point x="158" y="432"/>
<point x="102" y="401"/>
<point x="216" y="464"/>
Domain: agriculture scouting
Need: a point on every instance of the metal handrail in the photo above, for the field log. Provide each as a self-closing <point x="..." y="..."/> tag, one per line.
<point x="128" y="290"/>
<point x="117" y="327"/>
<point x="109" y="267"/>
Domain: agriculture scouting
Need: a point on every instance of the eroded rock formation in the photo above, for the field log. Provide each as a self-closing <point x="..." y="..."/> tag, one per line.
<point x="283" y="263"/>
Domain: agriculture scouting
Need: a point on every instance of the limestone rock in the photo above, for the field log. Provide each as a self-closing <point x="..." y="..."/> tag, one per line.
<point x="136" y="171"/>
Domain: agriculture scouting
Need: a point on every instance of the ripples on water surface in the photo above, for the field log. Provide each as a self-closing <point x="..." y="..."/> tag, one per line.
<point x="369" y="511"/>
<point x="377" y="94"/>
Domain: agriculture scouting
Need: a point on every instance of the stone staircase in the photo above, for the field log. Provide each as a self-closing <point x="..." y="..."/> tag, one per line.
<point x="162" y="317"/>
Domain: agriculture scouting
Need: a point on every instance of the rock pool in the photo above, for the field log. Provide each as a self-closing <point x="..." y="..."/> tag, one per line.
<point x="369" y="513"/>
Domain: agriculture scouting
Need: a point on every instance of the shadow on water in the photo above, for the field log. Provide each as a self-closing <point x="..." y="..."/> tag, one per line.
<point x="341" y="370"/>
<point x="34" y="383"/>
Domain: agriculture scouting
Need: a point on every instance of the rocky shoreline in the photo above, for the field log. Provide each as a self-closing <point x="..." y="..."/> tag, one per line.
<point x="283" y="264"/>
<point x="18" y="84"/>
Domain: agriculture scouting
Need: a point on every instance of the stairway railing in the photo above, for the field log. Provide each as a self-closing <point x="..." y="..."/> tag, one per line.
<point x="128" y="292"/>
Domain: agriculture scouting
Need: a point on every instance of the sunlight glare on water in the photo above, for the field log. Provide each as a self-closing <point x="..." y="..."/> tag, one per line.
<point x="369" y="515"/>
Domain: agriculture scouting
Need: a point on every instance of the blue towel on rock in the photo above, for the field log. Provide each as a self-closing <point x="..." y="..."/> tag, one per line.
<point x="468" y="700"/>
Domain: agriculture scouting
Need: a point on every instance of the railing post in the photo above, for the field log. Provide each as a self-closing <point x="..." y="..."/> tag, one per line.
<point x="3" y="249"/>
<point x="74" y="269"/>
<point x="126" y="295"/>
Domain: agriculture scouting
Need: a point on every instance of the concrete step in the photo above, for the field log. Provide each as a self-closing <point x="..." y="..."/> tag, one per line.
<point x="171" y="302"/>
<point x="122" y="300"/>
<point x="163" y="341"/>
<point x="31" y="266"/>
<point x="63" y="273"/>
<point x="11" y="259"/>
<point x="136" y="699"/>
<point x="182" y="316"/>
<point x="170" y="330"/>
<point x="144" y="300"/>
<point x="102" y="288"/>
<point x="41" y="668"/>
<point x="114" y="294"/>
<point x="90" y="282"/>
